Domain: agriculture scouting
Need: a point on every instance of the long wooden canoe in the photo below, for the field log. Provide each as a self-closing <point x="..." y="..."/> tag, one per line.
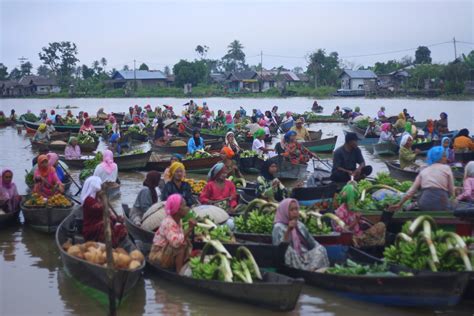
<point x="289" y="171"/>
<point x="422" y="289"/>
<point x="9" y="218"/>
<point x="214" y="145"/>
<point x="64" y="136"/>
<point x="124" y="162"/>
<point x="308" y="196"/>
<point x="93" y="275"/>
<point x="333" y="238"/>
<point x="324" y="119"/>
<point x="464" y="157"/>
<point x="402" y="174"/>
<point x="204" y="135"/>
<point x="67" y="128"/>
<point x="45" y="219"/>
<point x="385" y="149"/>
<point x="326" y="145"/>
<point x="60" y="147"/>
<point x="200" y="164"/>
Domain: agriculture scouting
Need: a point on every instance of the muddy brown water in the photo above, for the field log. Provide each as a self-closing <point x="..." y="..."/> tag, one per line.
<point x="33" y="281"/>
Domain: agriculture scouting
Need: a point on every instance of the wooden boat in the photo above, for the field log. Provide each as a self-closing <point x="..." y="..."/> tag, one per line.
<point x="285" y="127"/>
<point x="365" y="141"/>
<point x="64" y="136"/>
<point x="67" y="184"/>
<point x="8" y="218"/>
<point x="402" y="174"/>
<point x="326" y="145"/>
<point x="67" y="128"/>
<point x="139" y="137"/>
<point x="266" y="255"/>
<point x="334" y="238"/>
<point x="45" y="219"/>
<point x="7" y="123"/>
<point x="124" y="162"/>
<point x="92" y="275"/>
<point x="324" y="119"/>
<point x="275" y="291"/>
<point x="204" y="135"/>
<point x="287" y="170"/>
<point x="308" y="196"/>
<point x="425" y="146"/>
<point x="464" y="157"/>
<point x="315" y="135"/>
<point x="60" y="147"/>
<point x="214" y="145"/>
<point x="385" y="149"/>
<point x="194" y="165"/>
<point x="422" y="289"/>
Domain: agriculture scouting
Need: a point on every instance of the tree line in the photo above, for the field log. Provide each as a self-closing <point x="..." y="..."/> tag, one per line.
<point x="60" y="61"/>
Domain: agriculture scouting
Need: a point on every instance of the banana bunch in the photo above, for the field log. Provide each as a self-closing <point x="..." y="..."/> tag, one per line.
<point x="314" y="222"/>
<point x="207" y="230"/>
<point x="196" y="186"/>
<point x="258" y="217"/>
<point x="420" y="248"/>
<point x="238" y="182"/>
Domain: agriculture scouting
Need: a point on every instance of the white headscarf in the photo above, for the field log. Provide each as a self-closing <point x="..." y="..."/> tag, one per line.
<point x="235" y="144"/>
<point x="405" y="139"/>
<point x="90" y="188"/>
<point x="469" y="170"/>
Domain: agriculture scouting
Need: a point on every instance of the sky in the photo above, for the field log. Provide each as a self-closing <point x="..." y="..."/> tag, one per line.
<point x="161" y="33"/>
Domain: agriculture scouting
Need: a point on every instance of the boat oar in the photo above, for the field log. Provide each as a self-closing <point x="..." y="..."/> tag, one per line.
<point x="70" y="176"/>
<point x="109" y="254"/>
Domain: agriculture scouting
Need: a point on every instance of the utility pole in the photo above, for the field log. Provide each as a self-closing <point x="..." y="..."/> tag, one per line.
<point x="134" y="75"/>
<point x="22" y="60"/>
<point x="261" y="70"/>
<point x="455" y="51"/>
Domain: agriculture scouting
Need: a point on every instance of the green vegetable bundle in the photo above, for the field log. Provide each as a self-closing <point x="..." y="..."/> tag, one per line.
<point x="353" y="268"/>
<point x="135" y="130"/>
<point x="363" y="123"/>
<point x="420" y="248"/>
<point x="198" y="154"/>
<point x="29" y="117"/>
<point x="87" y="138"/>
<point x="216" y="132"/>
<point x="89" y="166"/>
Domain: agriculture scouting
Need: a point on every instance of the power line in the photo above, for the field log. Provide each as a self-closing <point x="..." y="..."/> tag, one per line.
<point x="396" y="51"/>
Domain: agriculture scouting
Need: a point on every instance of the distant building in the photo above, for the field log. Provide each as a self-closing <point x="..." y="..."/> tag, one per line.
<point x="217" y="77"/>
<point x="142" y="78"/>
<point x="393" y="81"/>
<point x="357" y="79"/>
<point x="278" y="78"/>
<point x="10" y="88"/>
<point x="39" y="85"/>
<point x="242" y="81"/>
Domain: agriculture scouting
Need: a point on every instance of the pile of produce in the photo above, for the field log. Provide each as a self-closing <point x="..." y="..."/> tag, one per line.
<point x="207" y="230"/>
<point x="238" y="182"/>
<point x="353" y="268"/>
<point x="135" y="130"/>
<point x="198" y="154"/>
<point x="30" y="178"/>
<point x="57" y="201"/>
<point x="89" y="166"/>
<point x="132" y="152"/>
<point x="383" y="180"/>
<point x="178" y="143"/>
<point x="85" y="138"/>
<point x="363" y="123"/>
<point x="223" y="267"/>
<point x="418" y="247"/>
<point x="421" y="141"/>
<point x="95" y="253"/>
<point x="196" y="185"/>
<point x="311" y="116"/>
<point x="29" y="117"/>
<point x="215" y="131"/>
<point x="250" y="154"/>
<point x="314" y="222"/>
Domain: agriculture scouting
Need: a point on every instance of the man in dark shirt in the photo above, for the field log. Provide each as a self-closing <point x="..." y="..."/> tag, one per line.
<point x="348" y="161"/>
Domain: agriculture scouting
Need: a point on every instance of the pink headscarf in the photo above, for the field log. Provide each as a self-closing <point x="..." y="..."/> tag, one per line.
<point x="282" y="216"/>
<point x="112" y="119"/>
<point x="9" y="191"/>
<point x="5" y="185"/>
<point x="108" y="162"/>
<point x="173" y="204"/>
<point x="288" y="113"/>
<point x="262" y="122"/>
<point x="52" y="159"/>
<point x="228" y="118"/>
<point x="385" y="127"/>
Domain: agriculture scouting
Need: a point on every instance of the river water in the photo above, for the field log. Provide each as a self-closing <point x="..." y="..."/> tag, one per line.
<point x="33" y="282"/>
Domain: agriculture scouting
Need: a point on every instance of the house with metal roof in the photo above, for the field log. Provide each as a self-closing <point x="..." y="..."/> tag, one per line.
<point x="357" y="79"/>
<point x="242" y="81"/>
<point x="142" y="78"/>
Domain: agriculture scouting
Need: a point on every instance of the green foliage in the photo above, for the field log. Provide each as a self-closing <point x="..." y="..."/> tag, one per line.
<point x="143" y="66"/>
<point x="381" y="68"/>
<point x="353" y="268"/>
<point x="324" y="69"/>
<point x="257" y="223"/>
<point x="61" y="59"/>
<point x="190" y="72"/>
<point x="422" y="55"/>
<point x="3" y="72"/>
<point x="420" y="73"/>
<point x="234" y="60"/>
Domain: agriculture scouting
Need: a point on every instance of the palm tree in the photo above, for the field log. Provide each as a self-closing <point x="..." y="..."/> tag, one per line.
<point x="103" y="62"/>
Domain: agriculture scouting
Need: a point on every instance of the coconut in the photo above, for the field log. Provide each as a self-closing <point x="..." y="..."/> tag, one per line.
<point x="178" y="143"/>
<point x="122" y="251"/>
<point x="137" y="255"/>
<point x="74" y="251"/>
<point x="89" y="244"/>
<point x="134" y="264"/>
<point x="123" y="261"/>
<point x="67" y="245"/>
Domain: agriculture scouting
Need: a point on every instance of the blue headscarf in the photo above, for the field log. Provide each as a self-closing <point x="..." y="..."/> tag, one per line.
<point x="288" y="135"/>
<point x="215" y="170"/>
<point x="178" y="156"/>
<point x="114" y="138"/>
<point x="435" y="154"/>
<point x="442" y="143"/>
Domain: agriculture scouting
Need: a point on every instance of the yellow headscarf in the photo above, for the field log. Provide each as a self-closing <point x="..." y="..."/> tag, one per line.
<point x="401" y="116"/>
<point x="175" y="166"/>
<point x="42" y="127"/>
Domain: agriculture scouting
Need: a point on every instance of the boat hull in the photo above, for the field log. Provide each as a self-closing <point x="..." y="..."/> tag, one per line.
<point x="326" y="145"/>
<point x="45" y="219"/>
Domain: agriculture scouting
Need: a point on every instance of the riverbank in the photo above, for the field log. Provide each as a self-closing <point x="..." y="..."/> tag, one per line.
<point x="210" y="91"/>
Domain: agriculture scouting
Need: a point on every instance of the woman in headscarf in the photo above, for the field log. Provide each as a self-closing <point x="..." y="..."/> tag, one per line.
<point x="356" y="112"/>
<point x="46" y="179"/>
<point x="53" y="161"/>
<point x="401" y="121"/>
<point x="294" y="151"/>
<point x="373" y="236"/>
<point x="167" y="174"/>
<point x="468" y="184"/>
<point x="50" y="127"/>
<point x="219" y="190"/>
<point x="442" y="124"/>
<point x="429" y="129"/>
<point x="406" y="155"/>
<point x="196" y="142"/>
<point x="232" y="143"/>
<point x="258" y="144"/>
<point x="381" y="114"/>
<point x="410" y="129"/>
<point x="178" y="185"/>
<point x="237" y="117"/>
<point x="304" y="252"/>
<point x="87" y="126"/>
<point x="463" y="142"/>
<point x="42" y="134"/>
<point x="72" y="150"/>
<point x="107" y="170"/>
<point x="52" y="116"/>
<point x="171" y="245"/>
<point x="268" y="186"/>
<point x="229" y="121"/>
<point x="93" y="212"/>
<point x="227" y="155"/>
<point x="288" y="117"/>
<point x="147" y="196"/>
<point x="436" y="183"/>
<point x="160" y="135"/>
<point x="9" y="197"/>
<point x="448" y="151"/>
<point x="138" y="123"/>
<point x="386" y="133"/>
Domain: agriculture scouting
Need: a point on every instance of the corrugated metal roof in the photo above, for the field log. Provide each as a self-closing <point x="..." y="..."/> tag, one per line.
<point x="140" y="74"/>
<point x="360" y="74"/>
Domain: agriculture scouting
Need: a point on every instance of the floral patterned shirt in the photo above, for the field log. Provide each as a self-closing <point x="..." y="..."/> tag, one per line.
<point x="348" y="217"/>
<point x="169" y="233"/>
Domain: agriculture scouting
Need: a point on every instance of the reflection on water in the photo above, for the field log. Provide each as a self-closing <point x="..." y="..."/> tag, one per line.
<point x="33" y="282"/>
